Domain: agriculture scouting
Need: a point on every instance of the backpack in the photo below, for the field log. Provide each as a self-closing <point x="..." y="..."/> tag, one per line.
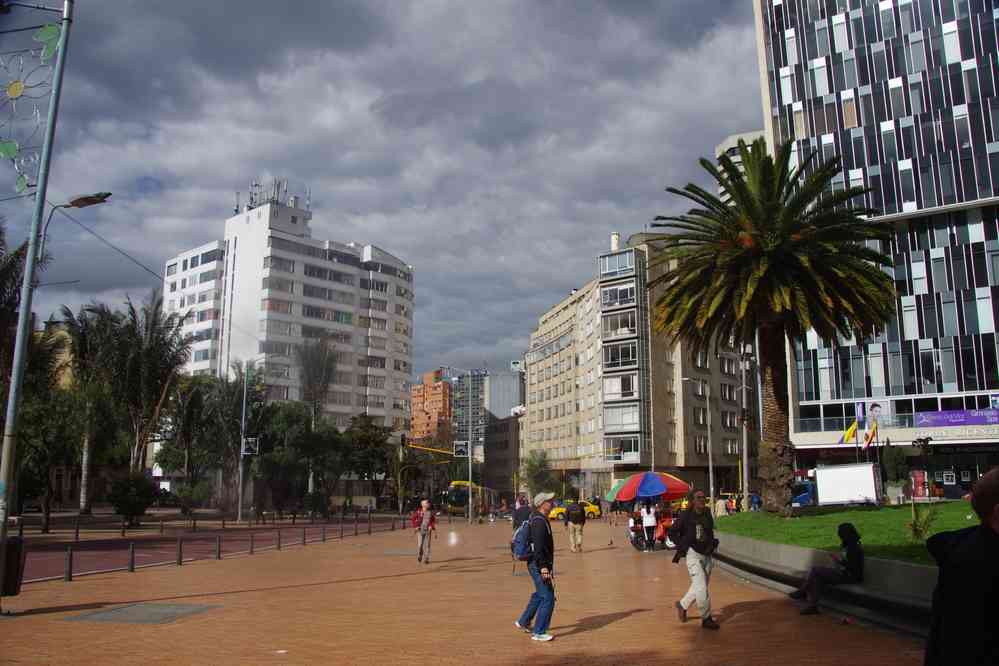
<point x="576" y="514"/>
<point x="521" y="544"/>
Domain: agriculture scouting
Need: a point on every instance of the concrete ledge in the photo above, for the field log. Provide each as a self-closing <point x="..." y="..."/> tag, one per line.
<point x="899" y="588"/>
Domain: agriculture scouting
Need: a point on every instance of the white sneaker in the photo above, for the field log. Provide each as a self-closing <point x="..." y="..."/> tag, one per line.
<point x="517" y="624"/>
<point x="542" y="637"/>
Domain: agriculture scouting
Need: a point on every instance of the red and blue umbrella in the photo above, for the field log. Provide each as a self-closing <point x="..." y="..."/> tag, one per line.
<point x="651" y="484"/>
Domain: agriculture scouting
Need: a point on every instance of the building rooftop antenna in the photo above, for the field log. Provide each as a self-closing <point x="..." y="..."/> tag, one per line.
<point x="235" y="209"/>
<point x="308" y="198"/>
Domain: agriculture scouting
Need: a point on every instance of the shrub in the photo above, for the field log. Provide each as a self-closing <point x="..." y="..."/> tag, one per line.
<point x="922" y="522"/>
<point x="131" y="496"/>
<point x="190" y="496"/>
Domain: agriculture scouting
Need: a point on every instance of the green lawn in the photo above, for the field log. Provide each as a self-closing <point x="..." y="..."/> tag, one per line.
<point x="884" y="530"/>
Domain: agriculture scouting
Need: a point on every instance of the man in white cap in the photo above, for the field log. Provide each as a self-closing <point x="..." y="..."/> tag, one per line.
<point x="542" y="604"/>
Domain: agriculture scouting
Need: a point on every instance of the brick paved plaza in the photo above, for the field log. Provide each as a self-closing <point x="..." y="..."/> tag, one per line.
<point x="366" y="600"/>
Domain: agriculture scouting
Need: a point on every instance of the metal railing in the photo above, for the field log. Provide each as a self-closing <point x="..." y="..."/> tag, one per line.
<point x="839" y="423"/>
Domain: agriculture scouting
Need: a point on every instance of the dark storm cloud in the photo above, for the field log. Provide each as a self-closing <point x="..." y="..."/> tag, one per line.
<point x="493" y="145"/>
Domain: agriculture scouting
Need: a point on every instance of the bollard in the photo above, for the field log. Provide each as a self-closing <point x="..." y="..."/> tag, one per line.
<point x="123" y="528"/>
<point x="194" y="524"/>
<point x="393" y="523"/>
<point x="369" y="519"/>
<point x="131" y="556"/>
<point x="293" y="516"/>
<point x="251" y="543"/>
<point x="223" y="522"/>
<point x="312" y="517"/>
<point x="76" y="530"/>
<point x="355" y="523"/>
<point x="161" y="526"/>
<point x="218" y="546"/>
<point x="279" y="539"/>
<point x="68" y="572"/>
<point x="180" y="551"/>
<point x="20" y="528"/>
<point x="322" y="534"/>
<point x="303" y="536"/>
<point x="449" y="516"/>
<point x="341" y="526"/>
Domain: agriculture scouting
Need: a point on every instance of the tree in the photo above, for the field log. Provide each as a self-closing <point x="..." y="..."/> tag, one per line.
<point x="11" y="274"/>
<point x="779" y="253"/>
<point x="368" y="442"/>
<point x="328" y="453"/>
<point x="536" y="472"/>
<point x="131" y="496"/>
<point x="226" y="408"/>
<point x="403" y="463"/>
<point x="89" y="335"/>
<point x="188" y="446"/>
<point x="317" y="368"/>
<point x="147" y="350"/>
<point x="282" y="464"/>
<point x="48" y="427"/>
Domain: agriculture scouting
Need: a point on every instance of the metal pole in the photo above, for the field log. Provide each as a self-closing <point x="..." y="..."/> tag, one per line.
<point x="27" y="286"/>
<point x="711" y="460"/>
<point x="468" y="418"/>
<point x="745" y="434"/>
<point x="180" y="551"/>
<point x="251" y="543"/>
<point x="242" y="448"/>
<point x="67" y="574"/>
<point x="303" y="535"/>
<point x="218" y="546"/>
<point x="131" y="556"/>
<point x="279" y="539"/>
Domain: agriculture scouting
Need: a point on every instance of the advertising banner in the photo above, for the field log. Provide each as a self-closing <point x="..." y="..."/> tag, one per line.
<point x="957" y="417"/>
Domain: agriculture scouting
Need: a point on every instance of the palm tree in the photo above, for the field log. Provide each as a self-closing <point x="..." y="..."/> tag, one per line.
<point x="779" y="253"/>
<point x="11" y="272"/>
<point x="189" y="417"/>
<point x="537" y="474"/>
<point x="146" y="351"/>
<point x="88" y="337"/>
<point x="317" y="368"/>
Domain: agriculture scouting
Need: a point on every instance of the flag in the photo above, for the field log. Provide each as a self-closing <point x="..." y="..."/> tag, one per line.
<point x="872" y="435"/>
<point x="848" y="434"/>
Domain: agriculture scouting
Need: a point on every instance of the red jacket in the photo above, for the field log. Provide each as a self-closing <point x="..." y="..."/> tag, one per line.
<point x="417" y="519"/>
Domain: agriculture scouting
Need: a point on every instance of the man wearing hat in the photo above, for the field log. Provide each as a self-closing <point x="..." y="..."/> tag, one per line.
<point x="542" y="604"/>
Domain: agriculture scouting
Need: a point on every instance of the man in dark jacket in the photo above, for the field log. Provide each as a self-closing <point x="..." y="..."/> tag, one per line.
<point x="695" y="540"/>
<point x="521" y="512"/>
<point x="966" y="600"/>
<point x="541" y="566"/>
<point x="575" y="519"/>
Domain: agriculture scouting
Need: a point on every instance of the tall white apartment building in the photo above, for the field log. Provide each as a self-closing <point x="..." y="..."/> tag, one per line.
<point x="276" y="286"/>
<point x="193" y="285"/>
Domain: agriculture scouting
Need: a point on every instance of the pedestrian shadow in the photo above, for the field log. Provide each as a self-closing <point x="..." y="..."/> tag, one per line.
<point x="732" y="611"/>
<point x="594" y="622"/>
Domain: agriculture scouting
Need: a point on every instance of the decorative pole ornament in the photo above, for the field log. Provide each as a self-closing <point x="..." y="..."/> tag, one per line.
<point x="26" y="80"/>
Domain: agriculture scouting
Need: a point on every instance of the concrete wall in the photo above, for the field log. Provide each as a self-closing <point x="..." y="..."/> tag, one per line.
<point x="888" y="581"/>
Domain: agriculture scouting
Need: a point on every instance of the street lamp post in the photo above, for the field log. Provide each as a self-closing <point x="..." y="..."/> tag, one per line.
<point x="747" y="355"/>
<point x="242" y="440"/>
<point x="468" y="418"/>
<point x="27" y="284"/>
<point x="711" y="460"/>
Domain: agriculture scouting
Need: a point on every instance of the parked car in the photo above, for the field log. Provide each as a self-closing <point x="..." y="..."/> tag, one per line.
<point x="558" y="511"/>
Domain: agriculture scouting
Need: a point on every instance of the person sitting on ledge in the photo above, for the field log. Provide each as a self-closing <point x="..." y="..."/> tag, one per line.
<point x="849" y="569"/>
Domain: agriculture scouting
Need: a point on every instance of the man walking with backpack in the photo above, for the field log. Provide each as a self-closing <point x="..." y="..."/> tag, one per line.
<point x="575" y="518"/>
<point x="533" y="543"/>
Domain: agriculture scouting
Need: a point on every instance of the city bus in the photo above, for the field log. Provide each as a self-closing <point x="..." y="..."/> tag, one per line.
<point x="457" y="497"/>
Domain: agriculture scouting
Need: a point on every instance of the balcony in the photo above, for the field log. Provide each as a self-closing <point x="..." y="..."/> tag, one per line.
<point x="623" y="456"/>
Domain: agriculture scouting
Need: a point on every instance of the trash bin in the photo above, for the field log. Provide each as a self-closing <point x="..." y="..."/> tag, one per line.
<point x="14" y="565"/>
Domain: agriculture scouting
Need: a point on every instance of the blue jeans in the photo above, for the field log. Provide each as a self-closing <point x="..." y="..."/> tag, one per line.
<point x="542" y="602"/>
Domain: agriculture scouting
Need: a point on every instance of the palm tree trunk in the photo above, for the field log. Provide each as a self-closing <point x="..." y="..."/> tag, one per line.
<point x="85" y="474"/>
<point x="775" y="462"/>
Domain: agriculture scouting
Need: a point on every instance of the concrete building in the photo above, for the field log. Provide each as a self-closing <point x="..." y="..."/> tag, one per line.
<point x="730" y="144"/>
<point x="271" y="285"/>
<point x="606" y="398"/>
<point x="904" y="92"/>
<point x="430" y="409"/>
<point x="193" y="287"/>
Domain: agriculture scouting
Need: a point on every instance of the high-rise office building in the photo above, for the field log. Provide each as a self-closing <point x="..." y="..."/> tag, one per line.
<point x="270" y="285"/>
<point x="504" y="398"/>
<point x="904" y="91"/>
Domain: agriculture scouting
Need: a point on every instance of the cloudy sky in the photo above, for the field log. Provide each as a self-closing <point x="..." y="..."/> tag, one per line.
<point x="493" y="145"/>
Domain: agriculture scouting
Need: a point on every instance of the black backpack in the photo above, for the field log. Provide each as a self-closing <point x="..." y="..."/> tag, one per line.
<point x="575" y="513"/>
